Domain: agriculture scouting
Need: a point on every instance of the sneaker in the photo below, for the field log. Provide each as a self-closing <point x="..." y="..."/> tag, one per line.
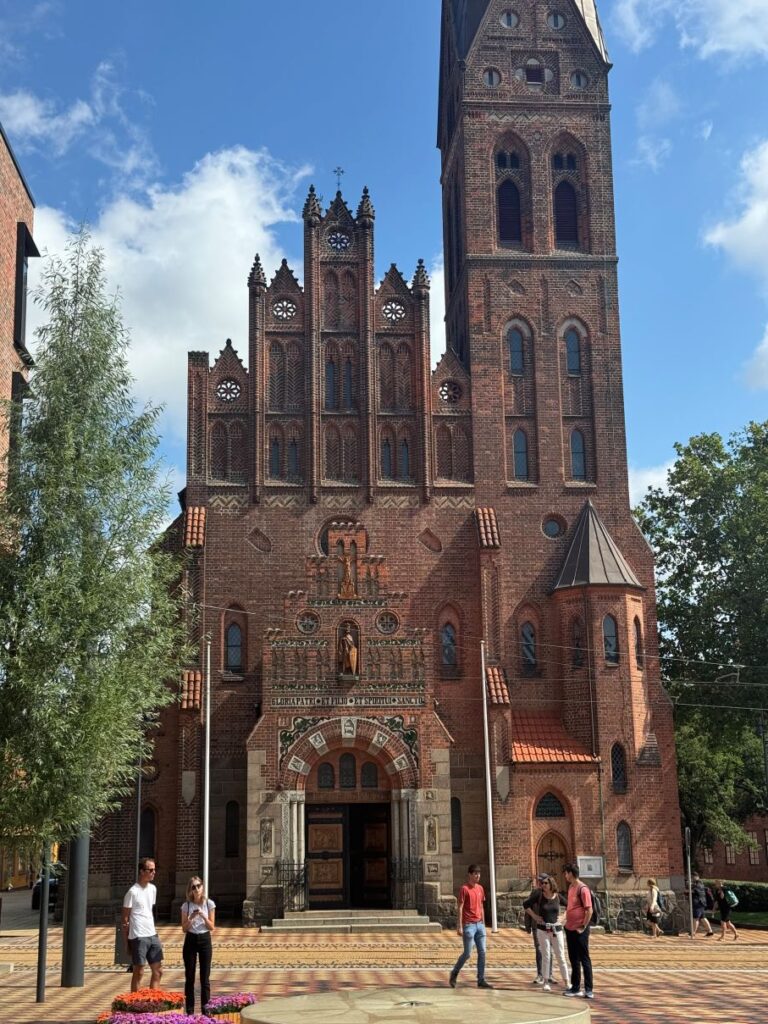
<point x="589" y="994"/>
<point x="484" y="984"/>
<point x="547" y="988"/>
<point x="551" y="981"/>
<point x="538" y="980"/>
<point x="570" y="992"/>
<point x="452" y="980"/>
<point x="709" y="935"/>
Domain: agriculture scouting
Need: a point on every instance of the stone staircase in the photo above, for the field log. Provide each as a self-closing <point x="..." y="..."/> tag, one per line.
<point x="346" y="922"/>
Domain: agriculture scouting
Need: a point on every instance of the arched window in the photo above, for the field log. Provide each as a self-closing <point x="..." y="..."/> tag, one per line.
<point x="520" y="445"/>
<point x="639" y="656"/>
<point x="611" y="640"/>
<point x="404" y="466"/>
<point x="456" y="836"/>
<point x="507" y="160"/>
<point x="347" y="385"/>
<point x="232" y="829"/>
<point x="624" y="846"/>
<point x="462" y="463"/>
<point x="528" y="648"/>
<point x="369" y="775"/>
<point x="325" y="776"/>
<point x="386" y="459"/>
<point x="147" y="832"/>
<point x="577" y="643"/>
<point x="578" y="456"/>
<point x="234" y="648"/>
<point x="510" y="230"/>
<point x="294" y="470"/>
<point x="566" y="214"/>
<point x="347" y="771"/>
<point x="618" y="768"/>
<point x="275" y="458"/>
<point x="516" y="352"/>
<point x="549" y="807"/>
<point x="331" y="399"/>
<point x="573" y="353"/>
<point x="448" y="652"/>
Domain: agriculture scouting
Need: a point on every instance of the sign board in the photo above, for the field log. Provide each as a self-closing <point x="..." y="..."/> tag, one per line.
<point x="590" y="867"/>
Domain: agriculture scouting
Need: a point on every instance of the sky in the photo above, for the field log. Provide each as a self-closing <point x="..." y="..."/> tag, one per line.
<point x="187" y="136"/>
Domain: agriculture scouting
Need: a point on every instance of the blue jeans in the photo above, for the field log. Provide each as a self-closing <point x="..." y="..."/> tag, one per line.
<point x="472" y="933"/>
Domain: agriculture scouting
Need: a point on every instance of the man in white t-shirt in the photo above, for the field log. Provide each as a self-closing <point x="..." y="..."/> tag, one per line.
<point x="139" y="928"/>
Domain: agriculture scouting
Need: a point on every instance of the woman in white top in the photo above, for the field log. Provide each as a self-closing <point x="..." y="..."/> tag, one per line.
<point x="198" y="920"/>
<point x="652" y="908"/>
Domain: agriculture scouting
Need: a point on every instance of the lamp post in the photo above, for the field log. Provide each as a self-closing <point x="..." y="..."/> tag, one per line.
<point x="488" y="793"/>
<point x="207" y="763"/>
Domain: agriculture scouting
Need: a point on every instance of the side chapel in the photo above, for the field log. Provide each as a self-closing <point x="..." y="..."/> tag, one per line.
<point x="355" y="524"/>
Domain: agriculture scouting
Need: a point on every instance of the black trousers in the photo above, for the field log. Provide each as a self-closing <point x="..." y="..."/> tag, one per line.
<point x="578" y="954"/>
<point x="197" y="946"/>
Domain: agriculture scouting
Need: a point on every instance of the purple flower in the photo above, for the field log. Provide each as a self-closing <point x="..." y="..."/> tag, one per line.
<point x="231" y="1003"/>
<point x="158" y="1018"/>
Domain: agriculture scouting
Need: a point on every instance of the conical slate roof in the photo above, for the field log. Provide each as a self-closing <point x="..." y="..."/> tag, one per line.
<point x="593" y="559"/>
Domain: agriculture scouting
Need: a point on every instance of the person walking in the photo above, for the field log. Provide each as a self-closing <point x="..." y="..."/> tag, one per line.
<point x="699" y="901"/>
<point x="726" y="925"/>
<point x="139" y="929"/>
<point x="471" y="926"/>
<point x="198" y="921"/>
<point x="528" y="904"/>
<point x="549" y="931"/>
<point x="578" y="917"/>
<point x="652" y="908"/>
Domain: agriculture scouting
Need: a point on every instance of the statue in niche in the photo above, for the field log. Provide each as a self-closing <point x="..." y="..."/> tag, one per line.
<point x="348" y="651"/>
<point x="347" y="584"/>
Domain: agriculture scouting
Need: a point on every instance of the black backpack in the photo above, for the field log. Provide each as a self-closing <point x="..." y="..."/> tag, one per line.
<point x="709" y="899"/>
<point x="597" y="906"/>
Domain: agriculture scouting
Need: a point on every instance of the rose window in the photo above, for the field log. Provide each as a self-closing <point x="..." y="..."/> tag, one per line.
<point x="228" y="390"/>
<point x="450" y="391"/>
<point x="387" y="623"/>
<point x="393" y="311"/>
<point x="339" y="241"/>
<point x="308" y="623"/>
<point x="284" y="309"/>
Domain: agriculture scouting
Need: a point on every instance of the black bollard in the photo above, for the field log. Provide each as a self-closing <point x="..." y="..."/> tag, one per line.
<point x="42" y="935"/>
<point x="75" y="907"/>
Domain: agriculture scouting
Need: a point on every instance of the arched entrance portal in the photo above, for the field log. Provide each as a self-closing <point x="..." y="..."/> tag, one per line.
<point x="348" y="831"/>
<point x="552" y="856"/>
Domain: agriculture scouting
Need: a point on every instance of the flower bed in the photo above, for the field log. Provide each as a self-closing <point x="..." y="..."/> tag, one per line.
<point x="148" y="1000"/>
<point x="163" y="1017"/>
<point x="228" y="1007"/>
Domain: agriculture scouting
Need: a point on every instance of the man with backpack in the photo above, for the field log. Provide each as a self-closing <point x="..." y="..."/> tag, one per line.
<point x="702" y="900"/>
<point x="532" y="903"/>
<point x="578" y="918"/>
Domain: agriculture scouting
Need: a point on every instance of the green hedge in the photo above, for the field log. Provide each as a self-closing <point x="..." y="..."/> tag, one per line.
<point x="751" y="895"/>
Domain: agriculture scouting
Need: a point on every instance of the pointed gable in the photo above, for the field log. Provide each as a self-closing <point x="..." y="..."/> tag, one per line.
<point x="228" y="361"/>
<point x="285" y="280"/>
<point x="593" y="559"/>
<point x="339" y="212"/>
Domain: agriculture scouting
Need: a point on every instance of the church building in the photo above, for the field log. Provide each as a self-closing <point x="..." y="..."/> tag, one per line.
<point x="355" y="524"/>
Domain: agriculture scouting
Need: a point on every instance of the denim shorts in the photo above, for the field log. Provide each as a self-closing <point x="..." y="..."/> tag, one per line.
<point x="146" y="950"/>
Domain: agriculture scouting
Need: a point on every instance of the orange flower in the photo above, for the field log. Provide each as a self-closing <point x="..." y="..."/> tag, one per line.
<point x="147" y="1000"/>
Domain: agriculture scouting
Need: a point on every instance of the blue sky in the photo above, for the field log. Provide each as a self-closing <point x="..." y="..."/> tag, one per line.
<point x="187" y="136"/>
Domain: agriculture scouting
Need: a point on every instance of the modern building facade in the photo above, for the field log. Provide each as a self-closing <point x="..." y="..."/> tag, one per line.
<point x="356" y="524"/>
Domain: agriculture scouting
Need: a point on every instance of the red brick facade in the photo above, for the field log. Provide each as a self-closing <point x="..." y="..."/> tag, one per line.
<point x="337" y="485"/>
<point x="748" y="865"/>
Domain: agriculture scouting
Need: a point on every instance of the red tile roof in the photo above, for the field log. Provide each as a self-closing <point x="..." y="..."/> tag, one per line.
<point x="539" y="736"/>
<point x="194" y="527"/>
<point x="487" y="527"/>
<point x="497" y="685"/>
<point x="191" y="690"/>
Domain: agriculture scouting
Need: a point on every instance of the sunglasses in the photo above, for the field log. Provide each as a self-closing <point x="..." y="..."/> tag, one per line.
<point x="197" y="885"/>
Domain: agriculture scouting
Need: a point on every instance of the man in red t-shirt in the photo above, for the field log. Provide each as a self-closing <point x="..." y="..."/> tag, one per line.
<point x="471" y="926"/>
<point x="578" y="917"/>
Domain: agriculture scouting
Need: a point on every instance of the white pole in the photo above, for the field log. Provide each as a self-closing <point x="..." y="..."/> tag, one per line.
<point x="690" y="881"/>
<point x="488" y="793"/>
<point x="207" y="764"/>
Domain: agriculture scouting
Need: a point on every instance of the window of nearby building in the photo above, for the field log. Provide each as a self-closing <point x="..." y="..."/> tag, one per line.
<point x="549" y="807"/>
<point x="624" y="846"/>
<point x="730" y="853"/>
<point x="234" y="648"/>
<point x="618" y="768"/>
<point x="611" y="640"/>
<point x="578" y="456"/>
<point x="709" y="857"/>
<point x="347" y="771"/>
<point x="510" y="225"/>
<point x="232" y="829"/>
<point x="579" y="80"/>
<point x="516" y="352"/>
<point x="520" y="446"/>
<point x="369" y="776"/>
<point x="754" y="849"/>
<point x="528" y="648"/>
<point x="326" y="776"/>
<point x="456" y="836"/>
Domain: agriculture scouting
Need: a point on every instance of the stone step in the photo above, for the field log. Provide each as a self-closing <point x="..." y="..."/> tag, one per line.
<point x="341" y="928"/>
<point x="347" y="915"/>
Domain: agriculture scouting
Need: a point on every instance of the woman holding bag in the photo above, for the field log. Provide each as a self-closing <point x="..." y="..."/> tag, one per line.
<point x="198" y="921"/>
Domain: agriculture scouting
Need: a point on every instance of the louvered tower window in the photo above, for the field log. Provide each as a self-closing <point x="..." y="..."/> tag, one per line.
<point x="510" y="230"/>
<point x="566" y="214"/>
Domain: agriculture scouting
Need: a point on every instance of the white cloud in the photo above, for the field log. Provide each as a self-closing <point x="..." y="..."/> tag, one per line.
<point x="437" y="310"/>
<point x="755" y="371"/>
<point x="704" y="130"/>
<point x="100" y="125"/>
<point x="641" y="478"/>
<point x="744" y="238"/>
<point x="652" y="152"/>
<point x="180" y="257"/>
<point x="659" y="105"/>
<point x="735" y="28"/>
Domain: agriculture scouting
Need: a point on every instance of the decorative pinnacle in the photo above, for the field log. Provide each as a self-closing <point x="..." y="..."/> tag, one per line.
<point x="365" y="210"/>
<point x="256" y="277"/>
<point x="420" y="278"/>
<point x="312" y="209"/>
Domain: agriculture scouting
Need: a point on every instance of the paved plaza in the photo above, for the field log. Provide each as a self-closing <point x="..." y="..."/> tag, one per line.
<point x="636" y="979"/>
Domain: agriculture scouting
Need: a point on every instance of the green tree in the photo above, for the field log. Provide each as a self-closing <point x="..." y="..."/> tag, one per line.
<point x="90" y="609"/>
<point x="709" y="530"/>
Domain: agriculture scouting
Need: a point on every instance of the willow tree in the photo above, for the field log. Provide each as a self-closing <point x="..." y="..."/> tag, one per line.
<point x="91" y="635"/>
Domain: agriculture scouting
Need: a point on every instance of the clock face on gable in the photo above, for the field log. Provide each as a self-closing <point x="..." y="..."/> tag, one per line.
<point x="339" y="241"/>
